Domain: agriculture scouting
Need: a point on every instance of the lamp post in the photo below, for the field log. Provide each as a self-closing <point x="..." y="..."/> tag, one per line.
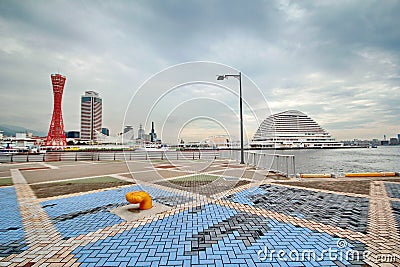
<point x="239" y="77"/>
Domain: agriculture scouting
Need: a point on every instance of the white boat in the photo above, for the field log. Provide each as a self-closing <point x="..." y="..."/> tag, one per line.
<point x="153" y="147"/>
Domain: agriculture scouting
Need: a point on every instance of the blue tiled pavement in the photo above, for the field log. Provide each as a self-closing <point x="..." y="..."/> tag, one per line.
<point x="393" y="190"/>
<point x="11" y="230"/>
<point x="171" y="242"/>
<point x="243" y="197"/>
<point x="86" y="213"/>
<point x="337" y="210"/>
<point x="396" y="211"/>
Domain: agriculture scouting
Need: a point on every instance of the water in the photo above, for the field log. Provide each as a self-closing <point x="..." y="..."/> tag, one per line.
<point x="336" y="161"/>
<point x="341" y="161"/>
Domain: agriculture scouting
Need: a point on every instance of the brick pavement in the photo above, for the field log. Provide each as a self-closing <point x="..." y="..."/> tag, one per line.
<point x="256" y="224"/>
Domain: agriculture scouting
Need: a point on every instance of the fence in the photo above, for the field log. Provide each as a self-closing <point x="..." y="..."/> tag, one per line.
<point x="110" y="156"/>
<point x="282" y="164"/>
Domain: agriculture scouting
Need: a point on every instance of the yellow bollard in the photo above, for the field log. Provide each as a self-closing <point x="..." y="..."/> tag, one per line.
<point x="371" y="174"/>
<point x="141" y="197"/>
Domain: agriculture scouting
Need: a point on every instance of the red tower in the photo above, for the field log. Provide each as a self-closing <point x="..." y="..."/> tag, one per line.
<point x="56" y="135"/>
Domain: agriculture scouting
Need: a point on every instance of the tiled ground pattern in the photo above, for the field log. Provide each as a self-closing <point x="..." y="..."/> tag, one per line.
<point x="172" y="242"/>
<point x="393" y="190"/>
<point x="12" y="239"/>
<point x="86" y="213"/>
<point x="205" y="188"/>
<point x="396" y="211"/>
<point x="336" y="210"/>
<point x="248" y="226"/>
<point x="230" y="234"/>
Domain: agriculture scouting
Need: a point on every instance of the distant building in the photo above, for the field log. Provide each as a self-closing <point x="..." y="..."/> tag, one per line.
<point x="73" y="134"/>
<point x="91" y="115"/>
<point x="141" y="132"/>
<point x="153" y="135"/>
<point x="394" y="141"/>
<point x="1" y="135"/>
<point x="375" y="142"/>
<point x="292" y="129"/>
<point x="128" y="135"/>
<point x="128" y="128"/>
<point x="384" y="142"/>
<point x="105" y="131"/>
<point x="27" y="140"/>
<point x="221" y="141"/>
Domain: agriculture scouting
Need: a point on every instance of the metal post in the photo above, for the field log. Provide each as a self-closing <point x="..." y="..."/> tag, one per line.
<point x="277" y="163"/>
<point x="287" y="167"/>
<point x="241" y="120"/>
<point x="294" y="166"/>
<point x="239" y="77"/>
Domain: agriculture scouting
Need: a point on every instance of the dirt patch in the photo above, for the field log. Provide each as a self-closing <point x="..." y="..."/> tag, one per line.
<point x="58" y="189"/>
<point x="233" y="166"/>
<point x="33" y="168"/>
<point x="395" y="180"/>
<point x="355" y="187"/>
<point x="166" y="167"/>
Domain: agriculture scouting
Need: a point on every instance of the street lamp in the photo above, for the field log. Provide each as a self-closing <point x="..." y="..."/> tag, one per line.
<point x="239" y="77"/>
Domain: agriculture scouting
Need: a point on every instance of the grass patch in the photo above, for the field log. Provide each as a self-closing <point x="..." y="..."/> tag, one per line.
<point x="76" y="186"/>
<point x="6" y="181"/>
<point x="197" y="178"/>
<point x="103" y="179"/>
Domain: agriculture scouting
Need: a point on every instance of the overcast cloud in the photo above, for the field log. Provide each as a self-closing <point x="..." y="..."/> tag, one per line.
<point x="337" y="61"/>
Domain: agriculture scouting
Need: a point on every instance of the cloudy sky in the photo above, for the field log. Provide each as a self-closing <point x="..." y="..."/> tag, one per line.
<point x="337" y="61"/>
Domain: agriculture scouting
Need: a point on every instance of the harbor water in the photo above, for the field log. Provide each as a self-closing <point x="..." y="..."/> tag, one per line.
<point x="341" y="161"/>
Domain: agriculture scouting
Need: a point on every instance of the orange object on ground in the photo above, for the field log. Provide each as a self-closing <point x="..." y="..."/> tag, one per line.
<point x="371" y="174"/>
<point x="140" y="197"/>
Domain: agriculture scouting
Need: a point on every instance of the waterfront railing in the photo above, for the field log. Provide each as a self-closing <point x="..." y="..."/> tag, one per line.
<point x="112" y="156"/>
<point x="284" y="165"/>
<point x="280" y="164"/>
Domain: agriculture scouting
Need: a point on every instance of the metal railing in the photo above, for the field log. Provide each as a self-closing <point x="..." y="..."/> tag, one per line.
<point x="281" y="164"/>
<point x="284" y="165"/>
<point x="111" y="156"/>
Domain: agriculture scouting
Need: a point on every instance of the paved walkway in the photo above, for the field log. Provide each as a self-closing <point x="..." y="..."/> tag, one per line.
<point x="226" y="221"/>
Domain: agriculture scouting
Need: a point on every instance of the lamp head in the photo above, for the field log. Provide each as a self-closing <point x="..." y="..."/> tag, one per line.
<point x="220" y="77"/>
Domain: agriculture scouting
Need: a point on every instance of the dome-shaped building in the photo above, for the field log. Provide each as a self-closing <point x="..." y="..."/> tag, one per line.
<point x="292" y="129"/>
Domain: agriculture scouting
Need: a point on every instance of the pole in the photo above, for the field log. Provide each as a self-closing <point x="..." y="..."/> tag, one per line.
<point x="241" y="120"/>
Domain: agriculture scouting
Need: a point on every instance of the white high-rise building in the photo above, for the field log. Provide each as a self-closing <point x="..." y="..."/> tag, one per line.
<point x="91" y="115"/>
<point x="141" y="132"/>
<point x="292" y="129"/>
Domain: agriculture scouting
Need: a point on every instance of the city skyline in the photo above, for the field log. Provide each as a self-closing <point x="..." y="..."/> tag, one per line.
<point x="338" y="62"/>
